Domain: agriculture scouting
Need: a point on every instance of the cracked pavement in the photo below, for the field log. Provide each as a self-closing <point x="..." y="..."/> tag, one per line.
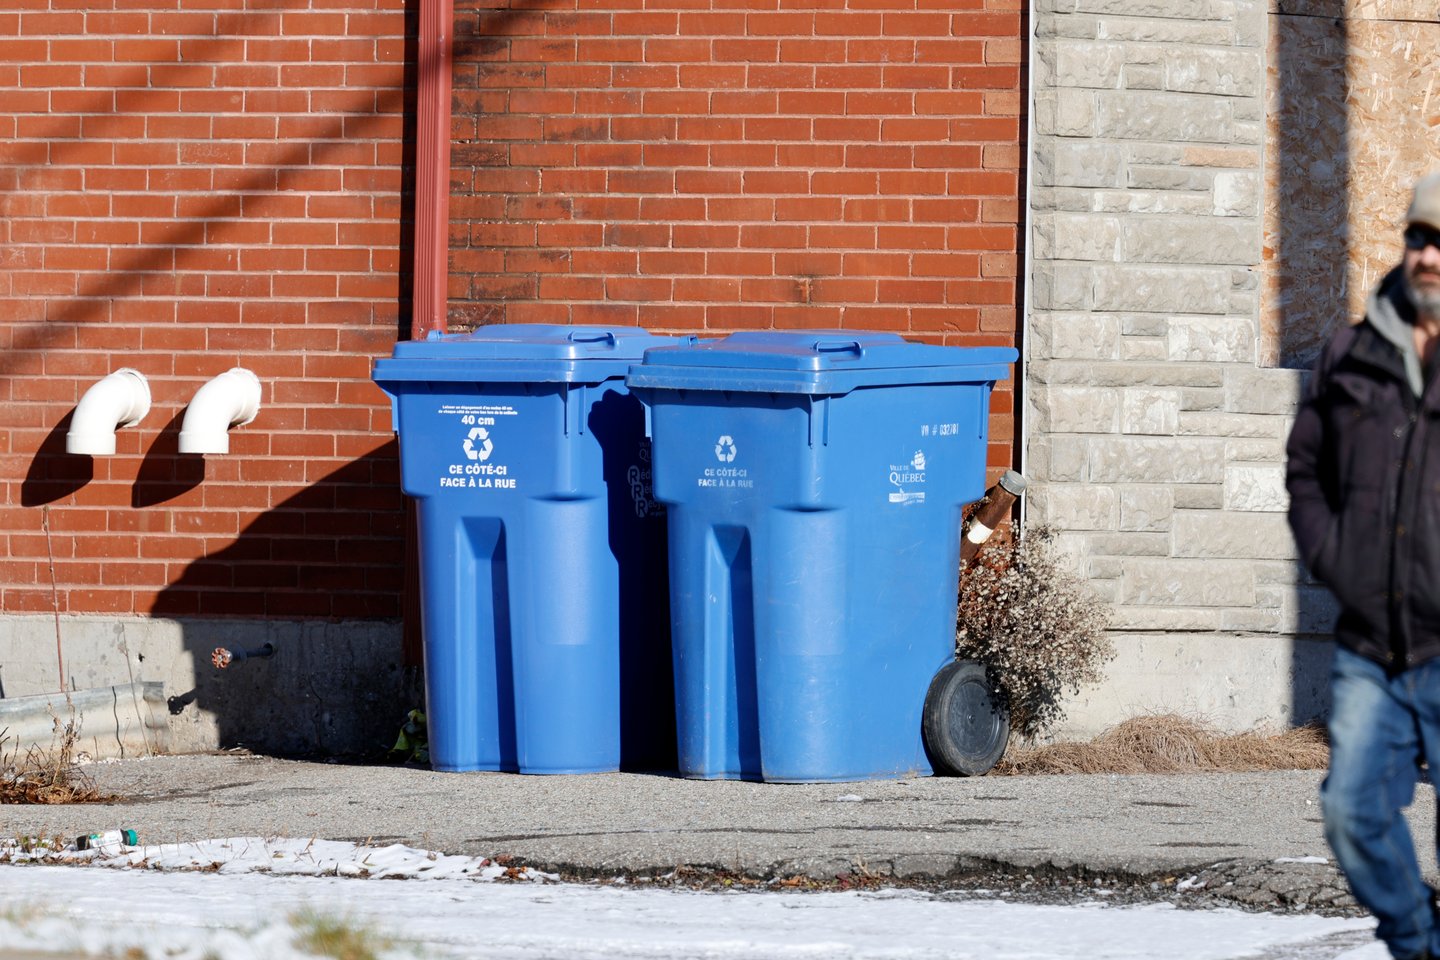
<point x="1251" y="839"/>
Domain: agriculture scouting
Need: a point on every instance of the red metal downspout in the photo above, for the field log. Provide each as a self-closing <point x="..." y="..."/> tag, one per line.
<point x="432" y="244"/>
<point x="432" y="167"/>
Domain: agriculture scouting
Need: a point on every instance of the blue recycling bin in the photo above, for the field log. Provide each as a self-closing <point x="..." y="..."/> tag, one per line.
<point x="813" y="483"/>
<point x="541" y="549"/>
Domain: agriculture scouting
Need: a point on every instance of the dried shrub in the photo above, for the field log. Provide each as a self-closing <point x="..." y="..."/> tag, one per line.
<point x="1035" y="623"/>
<point x="47" y="775"/>
<point x="1167" y="743"/>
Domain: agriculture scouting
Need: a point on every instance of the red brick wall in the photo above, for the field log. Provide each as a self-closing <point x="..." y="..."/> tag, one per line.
<point x="183" y="191"/>
<point x="741" y="164"/>
<point x="191" y="185"/>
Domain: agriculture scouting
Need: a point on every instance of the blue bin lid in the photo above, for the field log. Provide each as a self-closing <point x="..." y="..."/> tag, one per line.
<point x="815" y="362"/>
<point x="518" y="353"/>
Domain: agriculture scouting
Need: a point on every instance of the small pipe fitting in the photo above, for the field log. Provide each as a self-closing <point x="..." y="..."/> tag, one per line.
<point x="230" y="400"/>
<point x="222" y="657"/>
<point x="993" y="509"/>
<point x="119" y="400"/>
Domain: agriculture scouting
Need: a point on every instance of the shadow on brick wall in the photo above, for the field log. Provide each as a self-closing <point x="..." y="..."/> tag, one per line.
<point x="164" y="474"/>
<point x="317" y="575"/>
<point x="54" y="474"/>
<point x="318" y="578"/>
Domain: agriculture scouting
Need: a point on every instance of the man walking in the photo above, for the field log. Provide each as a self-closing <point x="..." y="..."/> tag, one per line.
<point x="1364" y="482"/>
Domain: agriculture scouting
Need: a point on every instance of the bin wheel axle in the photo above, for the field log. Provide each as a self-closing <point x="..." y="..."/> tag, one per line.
<point x="966" y="722"/>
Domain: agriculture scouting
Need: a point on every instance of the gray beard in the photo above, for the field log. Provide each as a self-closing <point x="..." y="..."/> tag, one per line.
<point x="1426" y="302"/>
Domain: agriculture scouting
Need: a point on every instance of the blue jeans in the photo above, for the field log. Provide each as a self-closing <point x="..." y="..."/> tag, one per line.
<point x="1381" y="727"/>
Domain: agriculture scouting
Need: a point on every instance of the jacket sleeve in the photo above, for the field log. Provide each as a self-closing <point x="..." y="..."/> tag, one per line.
<point x="1307" y="471"/>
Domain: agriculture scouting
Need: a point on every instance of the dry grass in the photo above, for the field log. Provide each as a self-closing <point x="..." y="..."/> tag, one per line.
<point x="47" y="776"/>
<point x="326" y="936"/>
<point x="1172" y="744"/>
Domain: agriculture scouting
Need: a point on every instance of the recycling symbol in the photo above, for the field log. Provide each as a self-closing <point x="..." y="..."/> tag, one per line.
<point x="480" y="451"/>
<point x="725" y="449"/>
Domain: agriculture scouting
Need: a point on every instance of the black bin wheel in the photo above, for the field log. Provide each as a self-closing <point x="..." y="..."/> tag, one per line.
<point x="966" y="722"/>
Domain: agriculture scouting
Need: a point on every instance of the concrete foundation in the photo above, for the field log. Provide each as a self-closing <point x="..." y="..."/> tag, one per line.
<point x="1236" y="682"/>
<point x="124" y="721"/>
<point x="329" y="688"/>
<point x="341" y="688"/>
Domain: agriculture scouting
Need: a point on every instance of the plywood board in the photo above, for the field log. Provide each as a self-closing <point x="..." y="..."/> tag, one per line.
<point x="1393" y="10"/>
<point x="1352" y="109"/>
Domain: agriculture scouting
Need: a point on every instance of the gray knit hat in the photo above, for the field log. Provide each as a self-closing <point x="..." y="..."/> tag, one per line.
<point x="1425" y="205"/>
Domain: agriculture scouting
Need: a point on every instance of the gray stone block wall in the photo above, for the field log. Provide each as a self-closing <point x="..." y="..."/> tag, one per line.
<point x="1155" y="442"/>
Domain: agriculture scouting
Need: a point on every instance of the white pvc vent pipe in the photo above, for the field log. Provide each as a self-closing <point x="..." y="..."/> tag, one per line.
<point x="119" y="400"/>
<point x="229" y="400"/>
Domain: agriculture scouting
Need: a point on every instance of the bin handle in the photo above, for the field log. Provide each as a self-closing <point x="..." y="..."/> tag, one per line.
<point x="840" y="346"/>
<point x="585" y="336"/>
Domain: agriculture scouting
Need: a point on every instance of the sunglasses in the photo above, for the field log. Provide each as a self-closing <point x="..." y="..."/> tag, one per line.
<point x="1418" y="237"/>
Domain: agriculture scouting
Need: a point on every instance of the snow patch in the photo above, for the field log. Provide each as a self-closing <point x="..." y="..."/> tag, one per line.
<point x="253" y="916"/>
<point x="281" y="856"/>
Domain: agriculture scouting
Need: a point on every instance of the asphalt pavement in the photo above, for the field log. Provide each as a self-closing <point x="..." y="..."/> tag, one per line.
<point x="1253" y="838"/>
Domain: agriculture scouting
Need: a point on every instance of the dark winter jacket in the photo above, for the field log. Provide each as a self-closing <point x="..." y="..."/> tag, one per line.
<point x="1364" y="482"/>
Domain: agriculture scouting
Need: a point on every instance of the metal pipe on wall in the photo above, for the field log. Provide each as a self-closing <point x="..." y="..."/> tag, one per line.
<point x="432" y="167"/>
